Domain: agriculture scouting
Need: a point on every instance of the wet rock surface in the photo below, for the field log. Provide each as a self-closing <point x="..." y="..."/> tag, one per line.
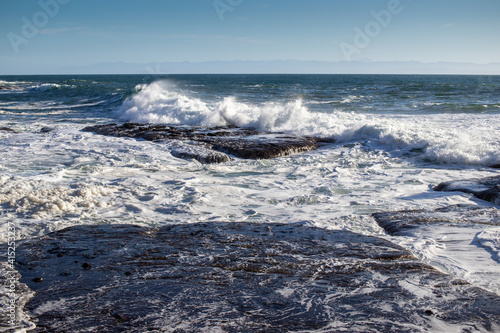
<point x="483" y="188"/>
<point x="400" y="222"/>
<point x="239" y="142"/>
<point x="240" y="277"/>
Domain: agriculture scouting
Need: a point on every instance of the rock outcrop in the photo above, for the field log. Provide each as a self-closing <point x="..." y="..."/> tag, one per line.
<point x="483" y="188"/>
<point x="240" y="277"/>
<point x="239" y="142"/>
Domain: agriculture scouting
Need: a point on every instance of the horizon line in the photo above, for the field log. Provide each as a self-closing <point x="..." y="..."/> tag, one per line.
<point x="243" y="73"/>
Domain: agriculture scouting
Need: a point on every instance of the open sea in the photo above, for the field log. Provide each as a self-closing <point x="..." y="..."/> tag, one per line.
<point x="396" y="137"/>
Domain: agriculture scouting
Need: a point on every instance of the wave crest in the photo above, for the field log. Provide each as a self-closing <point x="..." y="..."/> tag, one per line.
<point x="159" y="102"/>
<point x="155" y="104"/>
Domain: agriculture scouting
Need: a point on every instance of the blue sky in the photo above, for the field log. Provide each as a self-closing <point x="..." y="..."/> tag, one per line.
<point x="42" y="36"/>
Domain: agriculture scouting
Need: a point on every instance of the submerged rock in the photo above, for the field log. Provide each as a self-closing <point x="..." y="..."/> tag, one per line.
<point x="239" y="142"/>
<point x="483" y="188"/>
<point x="241" y="277"/>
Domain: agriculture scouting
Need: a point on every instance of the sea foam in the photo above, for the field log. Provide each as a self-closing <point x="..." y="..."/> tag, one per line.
<point x="37" y="199"/>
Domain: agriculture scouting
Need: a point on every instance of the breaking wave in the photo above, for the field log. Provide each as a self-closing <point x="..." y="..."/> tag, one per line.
<point x="441" y="138"/>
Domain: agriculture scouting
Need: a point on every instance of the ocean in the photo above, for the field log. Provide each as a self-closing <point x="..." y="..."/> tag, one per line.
<point x="396" y="137"/>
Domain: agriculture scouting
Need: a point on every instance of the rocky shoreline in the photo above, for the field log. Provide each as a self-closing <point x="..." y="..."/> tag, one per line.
<point x="253" y="277"/>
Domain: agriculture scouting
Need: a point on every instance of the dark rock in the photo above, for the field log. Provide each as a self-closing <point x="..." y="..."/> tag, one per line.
<point x="483" y="188"/>
<point x="262" y="147"/>
<point x="198" y="152"/>
<point x="47" y="129"/>
<point x="37" y="280"/>
<point x="242" y="143"/>
<point x="6" y="129"/>
<point x="242" y="277"/>
<point x="86" y="266"/>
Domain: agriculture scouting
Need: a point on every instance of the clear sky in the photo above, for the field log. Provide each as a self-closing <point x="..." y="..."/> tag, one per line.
<point x="45" y="35"/>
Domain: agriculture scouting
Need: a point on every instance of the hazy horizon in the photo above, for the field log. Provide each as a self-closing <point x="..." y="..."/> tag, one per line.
<point x="274" y="67"/>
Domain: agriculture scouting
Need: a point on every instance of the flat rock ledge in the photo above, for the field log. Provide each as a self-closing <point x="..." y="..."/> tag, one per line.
<point x="240" y="277"/>
<point x="483" y="188"/>
<point x="211" y="144"/>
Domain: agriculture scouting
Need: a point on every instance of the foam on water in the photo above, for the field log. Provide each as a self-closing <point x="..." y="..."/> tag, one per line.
<point x="72" y="176"/>
<point x="490" y="240"/>
<point x="451" y="139"/>
<point x="38" y="200"/>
